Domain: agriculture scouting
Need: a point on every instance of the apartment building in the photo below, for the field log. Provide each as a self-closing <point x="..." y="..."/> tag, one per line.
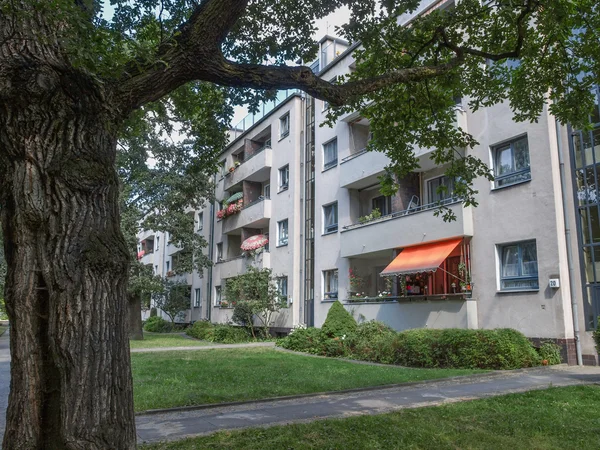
<point x="525" y="258"/>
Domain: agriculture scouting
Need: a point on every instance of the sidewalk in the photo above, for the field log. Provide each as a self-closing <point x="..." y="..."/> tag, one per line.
<point x="201" y="347"/>
<point x="175" y="425"/>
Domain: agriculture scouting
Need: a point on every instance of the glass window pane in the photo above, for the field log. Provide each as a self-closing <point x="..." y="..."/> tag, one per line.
<point x="588" y="158"/>
<point x="504" y="161"/>
<point x="589" y="265"/>
<point x="529" y="255"/>
<point x="510" y="261"/>
<point x="521" y="154"/>
<point x="585" y="229"/>
<point x="577" y="149"/>
<point x="595" y="225"/>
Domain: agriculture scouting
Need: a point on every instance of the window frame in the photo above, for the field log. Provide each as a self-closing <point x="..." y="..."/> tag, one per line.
<point x="500" y="252"/>
<point x="284" y="170"/>
<point x="200" y="221"/>
<point x="334" y="162"/>
<point x="219" y="251"/>
<point x="334" y="227"/>
<point x="279" y="283"/>
<point x="449" y="193"/>
<point x="284" y="131"/>
<point x="388" y="204"/>
<point x="197" y="297"/>
<point x="330" y="295"/>
<point x="218" y="295"/>
<point x="495" y="151"/>
<point x="280" y="242"/>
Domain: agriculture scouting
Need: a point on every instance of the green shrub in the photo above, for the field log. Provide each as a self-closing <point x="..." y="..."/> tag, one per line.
<point x="550" y="352"/>
<point x="307" y="340"/>
<point x="158" y="325"/>
<point x="339" y="322"/>
<point x="229" y="334"/>
<point x="596" y="335"/>
<point x="467" y="349"/>
<point x="372" y="341"/>
<point x="201" y="329"/>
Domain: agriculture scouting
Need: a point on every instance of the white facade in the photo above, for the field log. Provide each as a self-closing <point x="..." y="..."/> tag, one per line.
<point x="511" y="245"/>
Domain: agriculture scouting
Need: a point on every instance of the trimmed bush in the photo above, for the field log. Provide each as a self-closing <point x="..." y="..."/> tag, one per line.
<point x="465" y="349"/>
<point x="550" y="353"/>
<point x="339" y="322"/>
<point x="306" y="340"/>
<point x="228" y="334"/>
<point x="201" y="329"/>
<point x="372" y="341"/>
<point x="157" y="324"/>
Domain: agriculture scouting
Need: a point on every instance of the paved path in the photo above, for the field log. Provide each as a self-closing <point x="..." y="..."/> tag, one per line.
<point x="177" y="425"/>
<point x="4" y="380"/>
<point x="202" y="347"/>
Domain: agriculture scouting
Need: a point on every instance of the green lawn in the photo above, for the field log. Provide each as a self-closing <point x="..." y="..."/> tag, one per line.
<point x="556" y="418"/>
<point x="164" y="380"/>
<point x="3" y="328"/>
<point x="153" y="340"/>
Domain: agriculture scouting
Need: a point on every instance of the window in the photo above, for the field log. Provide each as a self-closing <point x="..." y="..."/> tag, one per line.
<point x="284" y="126"/>
<point x="282" y="288"/>
<point x="197" y="298"/>
<point x="326" y="103"/>
<point x="168" y="266"/>
<point x="157" y="241"/>
<point x="284" y="178"/>
<point x="267" y="191"/>
<point x="518" y="266"/>
<point x="330" y="154"/>
<point x="439" y="189"/>
<point x="282" y="232"/>
<point x="330" y="284"/>
<point x="330" y="218"/>
<point x="223" y="168"/>
<point x="200" y="221"/>
<point x="511" y="163"/>
<point x="220" y="251"/>
<point x="383" y="204"/>
<point x="156" y="269"/>
<point x="217" y="295"/>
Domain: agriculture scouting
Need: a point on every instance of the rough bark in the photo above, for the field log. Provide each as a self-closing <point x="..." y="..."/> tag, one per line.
<point x="136" y="331"/>
<point x="67" y="261"/>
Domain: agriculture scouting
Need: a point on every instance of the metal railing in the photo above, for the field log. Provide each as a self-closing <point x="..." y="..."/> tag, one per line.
<point x="407" y="298"/>
<point x="405" y="212"/>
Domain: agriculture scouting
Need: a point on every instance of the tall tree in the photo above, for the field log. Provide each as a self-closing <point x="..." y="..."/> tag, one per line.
<point x="69" y="82"/>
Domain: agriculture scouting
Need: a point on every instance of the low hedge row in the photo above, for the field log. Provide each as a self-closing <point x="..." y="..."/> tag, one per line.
<point x="427" y="348"/>
<point x="225" y="334"/>
<point x="156" y="324"/>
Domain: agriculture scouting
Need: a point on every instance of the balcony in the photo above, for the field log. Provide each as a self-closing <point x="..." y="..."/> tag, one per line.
<point x="405" y="228"/>
<point x="361" y="169"/>
<point x="237" y="266"/>
<point x="423" y="153"/>
<point x="255" y="215"/>
<point x="256" y="168"/>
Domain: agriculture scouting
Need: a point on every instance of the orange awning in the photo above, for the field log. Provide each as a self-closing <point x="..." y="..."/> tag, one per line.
<point x="421" y="258"/>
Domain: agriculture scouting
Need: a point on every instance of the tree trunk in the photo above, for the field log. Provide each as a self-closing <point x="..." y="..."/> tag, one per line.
<point x="136" y="331"/>
<point x="66" y="298"/>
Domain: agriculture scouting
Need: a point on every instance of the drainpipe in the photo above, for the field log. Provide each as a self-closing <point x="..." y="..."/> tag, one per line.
<point x="574" y="305"/>
<point x="211" y="243"/>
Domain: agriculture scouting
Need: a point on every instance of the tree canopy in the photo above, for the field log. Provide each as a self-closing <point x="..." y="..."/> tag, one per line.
<point x="73" y="84"/>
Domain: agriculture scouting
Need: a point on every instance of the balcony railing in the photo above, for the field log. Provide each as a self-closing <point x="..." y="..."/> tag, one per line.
<point x="354" y="155"/>
<point x="408" y="298"/>
<point x="406" y="212"/>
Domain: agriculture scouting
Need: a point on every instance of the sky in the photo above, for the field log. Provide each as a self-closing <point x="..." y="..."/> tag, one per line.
<point x="324" y="26"/>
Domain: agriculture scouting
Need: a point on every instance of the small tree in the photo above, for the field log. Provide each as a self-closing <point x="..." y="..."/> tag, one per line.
<point x="174" y="299"/>
<point x="256" y="297"/>
<point x="338" y="322"/>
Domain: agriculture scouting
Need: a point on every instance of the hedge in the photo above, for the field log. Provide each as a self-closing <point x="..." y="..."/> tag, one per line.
<point x="426" y="348"/>
<point x="224" y="334"/>
<point x="156" y="324"/>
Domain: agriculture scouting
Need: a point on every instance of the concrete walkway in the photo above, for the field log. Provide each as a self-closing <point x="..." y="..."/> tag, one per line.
<point x="4" y="380"/>
<point x="167" y="426"/>
<point x="202" y="347"/>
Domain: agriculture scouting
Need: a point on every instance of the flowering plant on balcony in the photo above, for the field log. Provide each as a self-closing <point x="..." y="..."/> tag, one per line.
<point x="231" y="209"/>
<point x="358" y="283"/>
